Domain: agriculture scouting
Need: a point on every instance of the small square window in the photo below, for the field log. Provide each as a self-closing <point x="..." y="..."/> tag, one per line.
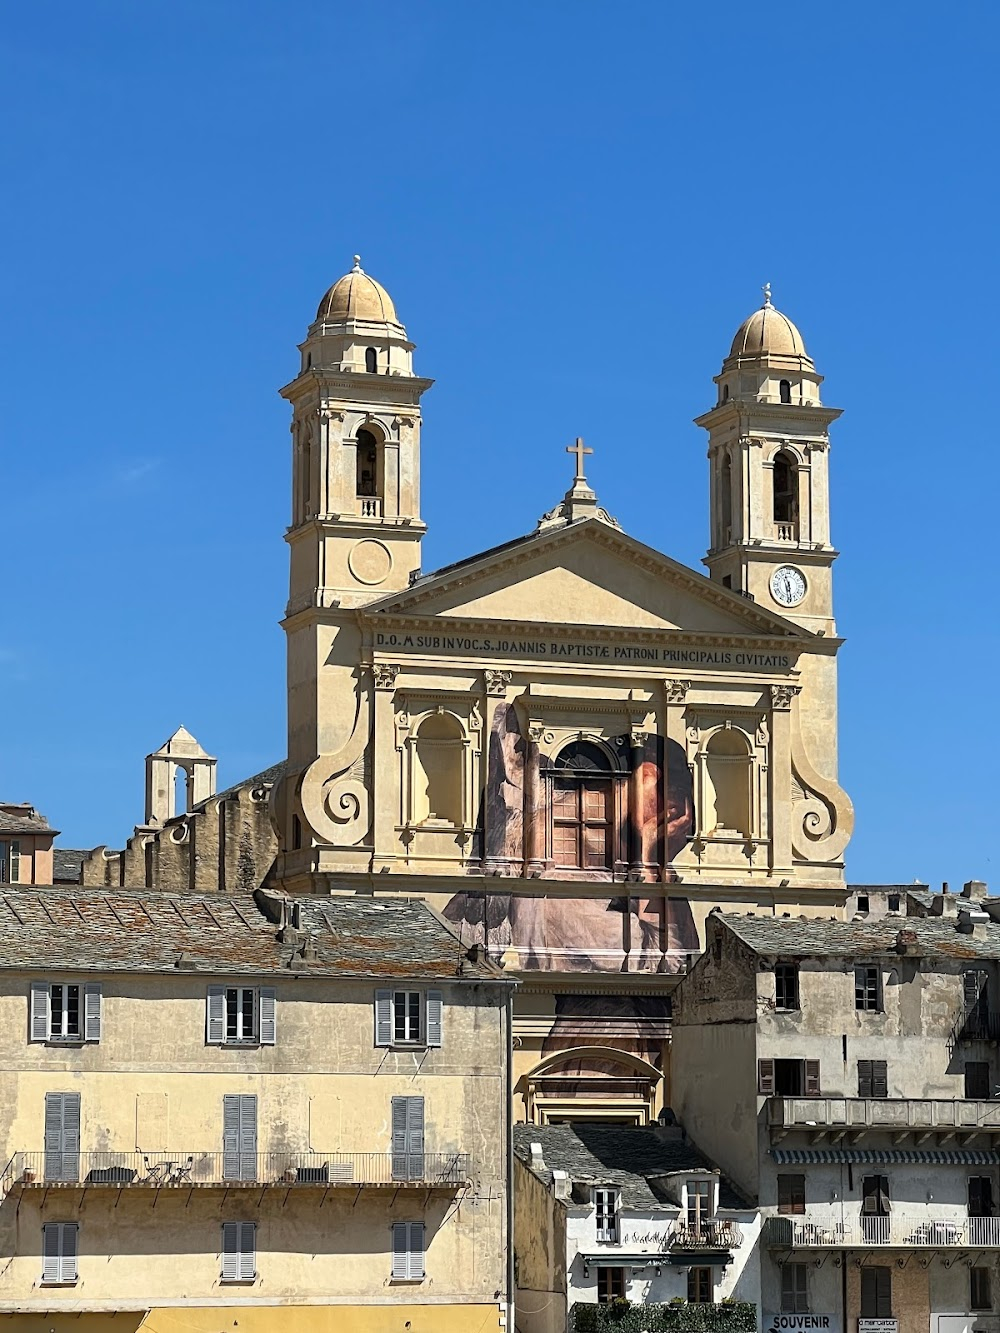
<point x="863" y="907"/>
<point x="893" y="902"/>
<point x="868" y="989"/>
<point x="610" y="1285"/>
<point x="700" y="1286"/>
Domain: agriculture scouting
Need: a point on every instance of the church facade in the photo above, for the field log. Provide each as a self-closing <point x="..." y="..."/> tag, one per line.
<point x="573" y="746"/>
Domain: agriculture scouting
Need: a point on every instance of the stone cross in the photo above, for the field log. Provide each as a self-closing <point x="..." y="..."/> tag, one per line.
<point x="579" y="450"/>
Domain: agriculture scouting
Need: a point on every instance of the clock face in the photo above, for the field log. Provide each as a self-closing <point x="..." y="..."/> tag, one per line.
<point x="788" y="585"/>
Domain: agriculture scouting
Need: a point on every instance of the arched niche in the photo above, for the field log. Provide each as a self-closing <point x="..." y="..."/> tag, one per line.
<point x="438" y="778"/>
<point x="727" y="806"/>
<point x="596" y="1083"/>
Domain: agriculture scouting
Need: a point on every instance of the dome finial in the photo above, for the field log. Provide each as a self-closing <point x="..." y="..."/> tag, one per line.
<point x="766" y="289"/>
<point x="357" y="265"/>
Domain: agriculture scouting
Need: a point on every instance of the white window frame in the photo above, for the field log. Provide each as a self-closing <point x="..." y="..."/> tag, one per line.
<point x="217" y="1016"/>
<point x="409" y="1258"/>
<point x="90" y="1012"/>
<point x="60" y="1268"/>
<point x="699" y="1202"/>
<point x="429" y="1018"/>
<point x="238" y="1257"/>
<point x="607" y="1205"/>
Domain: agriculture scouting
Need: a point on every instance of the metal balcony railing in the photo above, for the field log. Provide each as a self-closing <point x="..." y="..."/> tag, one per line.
<point x="904" y="1231"/>
<point x="705" y="1236"/>
<point x="117" y="1169"/>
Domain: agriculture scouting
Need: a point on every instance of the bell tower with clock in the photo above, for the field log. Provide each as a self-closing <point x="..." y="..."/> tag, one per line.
<point x="768" y="450"/>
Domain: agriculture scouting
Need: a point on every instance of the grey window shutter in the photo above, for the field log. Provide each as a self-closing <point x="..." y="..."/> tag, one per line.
<point x="401" y="1250"/>
<point x="52" y="1252"/>
<point x="248" y="1256"/>
<point x="40" y="996"/>
<point x="248" y="1136"/>
<point x="383" y="1018"/>
<point x="433" y="1018"/>
<point x="416" y="1248"/>
<point x="215" y="1016"/>
<point x="231" y="1136"/>
<point x="812" y="1078"/>
<point x="864" y="1078"/>
<point x="230" y="1251"/>
<point x="267" y="1017"/>
<point x="69" y="1231"/>
<point x="880" y="1078"/>
<point x="399" y="1123"/>
<point x="92" y="1011"/>
<point x="62" y="1136"/>
<point x="407" y="1138"/>
<point x="765" y="1077"/>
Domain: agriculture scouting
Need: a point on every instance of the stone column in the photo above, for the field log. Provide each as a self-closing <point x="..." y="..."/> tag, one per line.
<point x="637" y="831"/>
<point x="534" y="805"/>
<point x="385" y="776"/>
<point x="675" y="702"/>
<point x="495" y="857"/>
<point x="780" y="775"/>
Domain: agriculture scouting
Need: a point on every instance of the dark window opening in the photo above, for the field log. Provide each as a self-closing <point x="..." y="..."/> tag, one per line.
<point x="863" y="906"/>
<point x="791" y="1194"/>
<point x="875" y="1196"/>
<point x="368" y="478"/>
<point x="371" y="360"/>
<point x="725" y="393"/>
<point x="893" y="902"/>
<point x="726" y="502"/>
<point x="610" y="1285"/>
<point x="868" y="989"/>
<point x="876" y="1293"/>
<point x="788" y="1078"/>
<point x="785" y="391"/>
<point x="296" y="832"/>
<point x="873" y="1078"/>
<point x="699" y="1286"/>
<point x="785" y="482"/>
<point x="980" y="1196"/>
<point x="794" y="1289"/>
<point x="727" y="580"/>
<point x="786" y="986"/>
<point x="977" y="1080"/>
<point x="583" y="808"/>
<point x="980" y="1295"/>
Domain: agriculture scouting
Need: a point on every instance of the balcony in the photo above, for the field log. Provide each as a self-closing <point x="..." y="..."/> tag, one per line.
<point x="848" y="1119"/>
<point x="369" y="506"/>
<point x="900" y="1231"/>
<point x="199" y="1170"/>
<point x="786" y="531"/>
<point x="705" y="1237"/>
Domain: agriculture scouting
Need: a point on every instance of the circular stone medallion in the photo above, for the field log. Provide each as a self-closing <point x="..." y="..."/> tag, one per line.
<point x="370" y="562"/>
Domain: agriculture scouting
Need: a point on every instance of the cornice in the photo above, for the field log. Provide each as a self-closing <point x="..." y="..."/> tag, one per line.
<point x="344" y="387"/>
<point x="743" y="409"/>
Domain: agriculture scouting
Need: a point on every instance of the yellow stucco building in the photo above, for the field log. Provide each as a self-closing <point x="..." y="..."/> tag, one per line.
<point x="572" y="745"/>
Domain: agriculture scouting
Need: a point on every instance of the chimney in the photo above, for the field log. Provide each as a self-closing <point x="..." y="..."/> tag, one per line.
<point x="974" y="888"/>
<point x="906" y="941"/>
<point x="562" y="1186"/>
<point x="972" y="921"/>
<point x="537" y="1160"/>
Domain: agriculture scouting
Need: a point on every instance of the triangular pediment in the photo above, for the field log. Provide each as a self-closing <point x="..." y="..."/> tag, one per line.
<point x="586" y="573"/>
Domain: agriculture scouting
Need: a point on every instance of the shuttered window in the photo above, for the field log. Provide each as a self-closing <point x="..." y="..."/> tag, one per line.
<point x="408" y="1018"/>
<point x="240" y="1016"/>
<point x="239" y="1251"/>
<point x="65" y="1011"/>
<point x="407" y="1251"/>
<point x="788" y="1078"/>
<point x="875" y="1196"/>
<point x="980" y="1196"/>
<point x="873" y="1078"/>
<point x="59" y="1251"/>
<point x="239" y="1136"/>
<point x="62" y="1136"/>
<point x="765" y="1077"/>
<point x="794" y="1289"/>
<point x="407" y="1138"/>
<point x="791" y="1194"/>
<point x="876" y="1293"/>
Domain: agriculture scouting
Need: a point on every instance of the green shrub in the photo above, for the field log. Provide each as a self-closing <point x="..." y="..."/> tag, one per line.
<point x="623" y="1317"/>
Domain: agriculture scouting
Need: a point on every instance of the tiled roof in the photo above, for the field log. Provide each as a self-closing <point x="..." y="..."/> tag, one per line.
<point x="15" y="818"/>
<point x="67" y="863"/>
<point x="625" y="1156"/>
<point x="830" y="938"/>
<point x="266" y="778"/>
<point x="142" y="931"/>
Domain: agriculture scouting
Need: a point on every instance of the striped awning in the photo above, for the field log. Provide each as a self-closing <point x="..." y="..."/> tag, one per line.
<point x="886" y="1156"/>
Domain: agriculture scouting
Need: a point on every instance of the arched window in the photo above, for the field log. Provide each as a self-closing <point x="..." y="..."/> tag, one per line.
<point x="583" y="808"/>
<point x="371" y="360"/>
<point x="437" y="777"/>
<point x="786" y="489"/>
<point x="726" y="502"/>
<point x="785" y="391"/>
<point x="727" y="771"/>
<point x="369" y="472"/>
<point x="725" y="393"/>
<point x="182" y="787"/>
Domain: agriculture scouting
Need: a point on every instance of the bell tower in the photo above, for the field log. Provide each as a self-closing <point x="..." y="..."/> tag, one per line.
<point x="768" y="450"/>
<point x="355" y="526"/>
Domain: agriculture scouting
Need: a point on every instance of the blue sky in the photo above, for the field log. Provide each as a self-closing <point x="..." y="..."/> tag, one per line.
<point x="574" y="205"/>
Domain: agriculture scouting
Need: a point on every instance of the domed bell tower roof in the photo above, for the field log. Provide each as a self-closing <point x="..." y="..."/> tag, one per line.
<point x="357" y="296"/>
<point x="768" y="332"/>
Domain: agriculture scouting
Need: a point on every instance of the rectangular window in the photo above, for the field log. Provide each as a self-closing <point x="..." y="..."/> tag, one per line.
<point x="788" y="1078"/>
<point x="791" y="1194"/>
<point x="62" y="1136"/>
<point x="977" y="1080"/>
<point x="239" y="1251"/>
<point x="699" y="1203"/>
<point x="980" y="1295"/>
<point x="408" y="1018"/>
<point x="59" y="1251"/>
<point x="875" y="1196"/>
<point x="876" y="1293"/>
<point x="794" y="1289"/>
<point x="893" y="902"/>
<point x="65" y="1020"/>
<point x="408" y="1138"/>
<point x="239" y="1136"/>
<point x="873" y="1078"/>
<point x="980" y="1196"/>
<point x="407" y="1251"/>
<point x="610" y="1285"/>
<point x="582" y="822"/>
<point x="240" y="1016"/>
<point x="788" y="1081"/>
<point x="700" y="1286"/>
<point x="10" y="862"/>
<point x="786" y="986"/>
<point x="607" y="1214"/>
<point x="868" y="989"/>
<point x="65" y="1011"/>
